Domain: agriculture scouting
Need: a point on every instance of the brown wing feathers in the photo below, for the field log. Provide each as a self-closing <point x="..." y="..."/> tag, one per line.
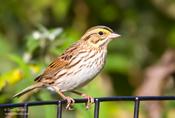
<point x="58" y="64"/>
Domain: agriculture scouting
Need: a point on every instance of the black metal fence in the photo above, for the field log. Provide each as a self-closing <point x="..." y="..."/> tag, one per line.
<point x="135" y="99"/>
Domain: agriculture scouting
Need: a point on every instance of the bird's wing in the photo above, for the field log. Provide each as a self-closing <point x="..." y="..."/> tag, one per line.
<point x="55" y="66"/>
<point x="58" y="64"/>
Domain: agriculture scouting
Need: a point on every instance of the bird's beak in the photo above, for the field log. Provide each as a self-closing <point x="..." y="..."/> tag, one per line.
<point x="113" y="35"/>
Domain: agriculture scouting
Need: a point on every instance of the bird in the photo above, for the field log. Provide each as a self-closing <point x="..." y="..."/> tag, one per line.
<point x="76" y="66"/>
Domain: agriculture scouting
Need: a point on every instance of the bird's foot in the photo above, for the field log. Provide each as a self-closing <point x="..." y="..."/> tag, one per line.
<point x="70" y="102"/>
<point x="90" y="100"/>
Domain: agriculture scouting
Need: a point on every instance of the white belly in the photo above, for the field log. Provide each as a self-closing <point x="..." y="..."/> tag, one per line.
<point x="79" y="75"/>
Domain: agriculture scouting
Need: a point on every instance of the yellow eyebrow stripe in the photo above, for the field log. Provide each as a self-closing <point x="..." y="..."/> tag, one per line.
<point x="103" y="30"/>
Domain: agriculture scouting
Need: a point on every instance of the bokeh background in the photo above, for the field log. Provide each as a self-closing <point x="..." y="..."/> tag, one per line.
<point x="141" y="62"/>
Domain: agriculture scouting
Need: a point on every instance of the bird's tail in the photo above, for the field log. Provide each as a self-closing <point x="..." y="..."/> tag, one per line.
<point x="28" y="89"/>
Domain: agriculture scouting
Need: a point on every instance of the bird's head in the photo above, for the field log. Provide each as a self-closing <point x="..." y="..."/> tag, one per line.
<point x="99" y="36"/>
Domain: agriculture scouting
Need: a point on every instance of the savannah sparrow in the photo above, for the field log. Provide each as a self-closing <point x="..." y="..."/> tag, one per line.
<point x="77" y="66"/>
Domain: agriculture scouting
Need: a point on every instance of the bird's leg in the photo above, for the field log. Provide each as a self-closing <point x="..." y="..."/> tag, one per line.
<point x="89" y="98"/>
<point x="70" y="101"/>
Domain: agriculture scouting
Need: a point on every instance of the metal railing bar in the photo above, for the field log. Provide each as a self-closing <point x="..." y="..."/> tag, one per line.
<point x="97" y="108"/>
<point x="136" y="107"/>
<point x="59" y="109"/>
<point x="102" y="99"/>
<point x="154" y="98"/>
<point x="25" y="113"/>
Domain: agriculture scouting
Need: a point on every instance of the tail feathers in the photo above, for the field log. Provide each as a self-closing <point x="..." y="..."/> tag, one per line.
<point x="28" y="89"/>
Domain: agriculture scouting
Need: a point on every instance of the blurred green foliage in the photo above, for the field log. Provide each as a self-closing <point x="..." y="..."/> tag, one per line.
<point x="33" y="32"/>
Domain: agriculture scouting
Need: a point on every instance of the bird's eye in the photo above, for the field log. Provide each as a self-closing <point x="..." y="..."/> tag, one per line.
<point x="100" y="33"/>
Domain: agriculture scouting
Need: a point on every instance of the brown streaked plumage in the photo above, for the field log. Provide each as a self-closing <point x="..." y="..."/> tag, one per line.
<point x="77" y="66"/>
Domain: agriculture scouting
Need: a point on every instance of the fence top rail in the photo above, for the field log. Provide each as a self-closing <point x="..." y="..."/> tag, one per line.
<point x="101" y="99"/>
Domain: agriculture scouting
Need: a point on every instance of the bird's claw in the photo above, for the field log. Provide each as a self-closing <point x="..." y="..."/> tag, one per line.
<point x="70" y="102"/>
<point x="90" y="100"/>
